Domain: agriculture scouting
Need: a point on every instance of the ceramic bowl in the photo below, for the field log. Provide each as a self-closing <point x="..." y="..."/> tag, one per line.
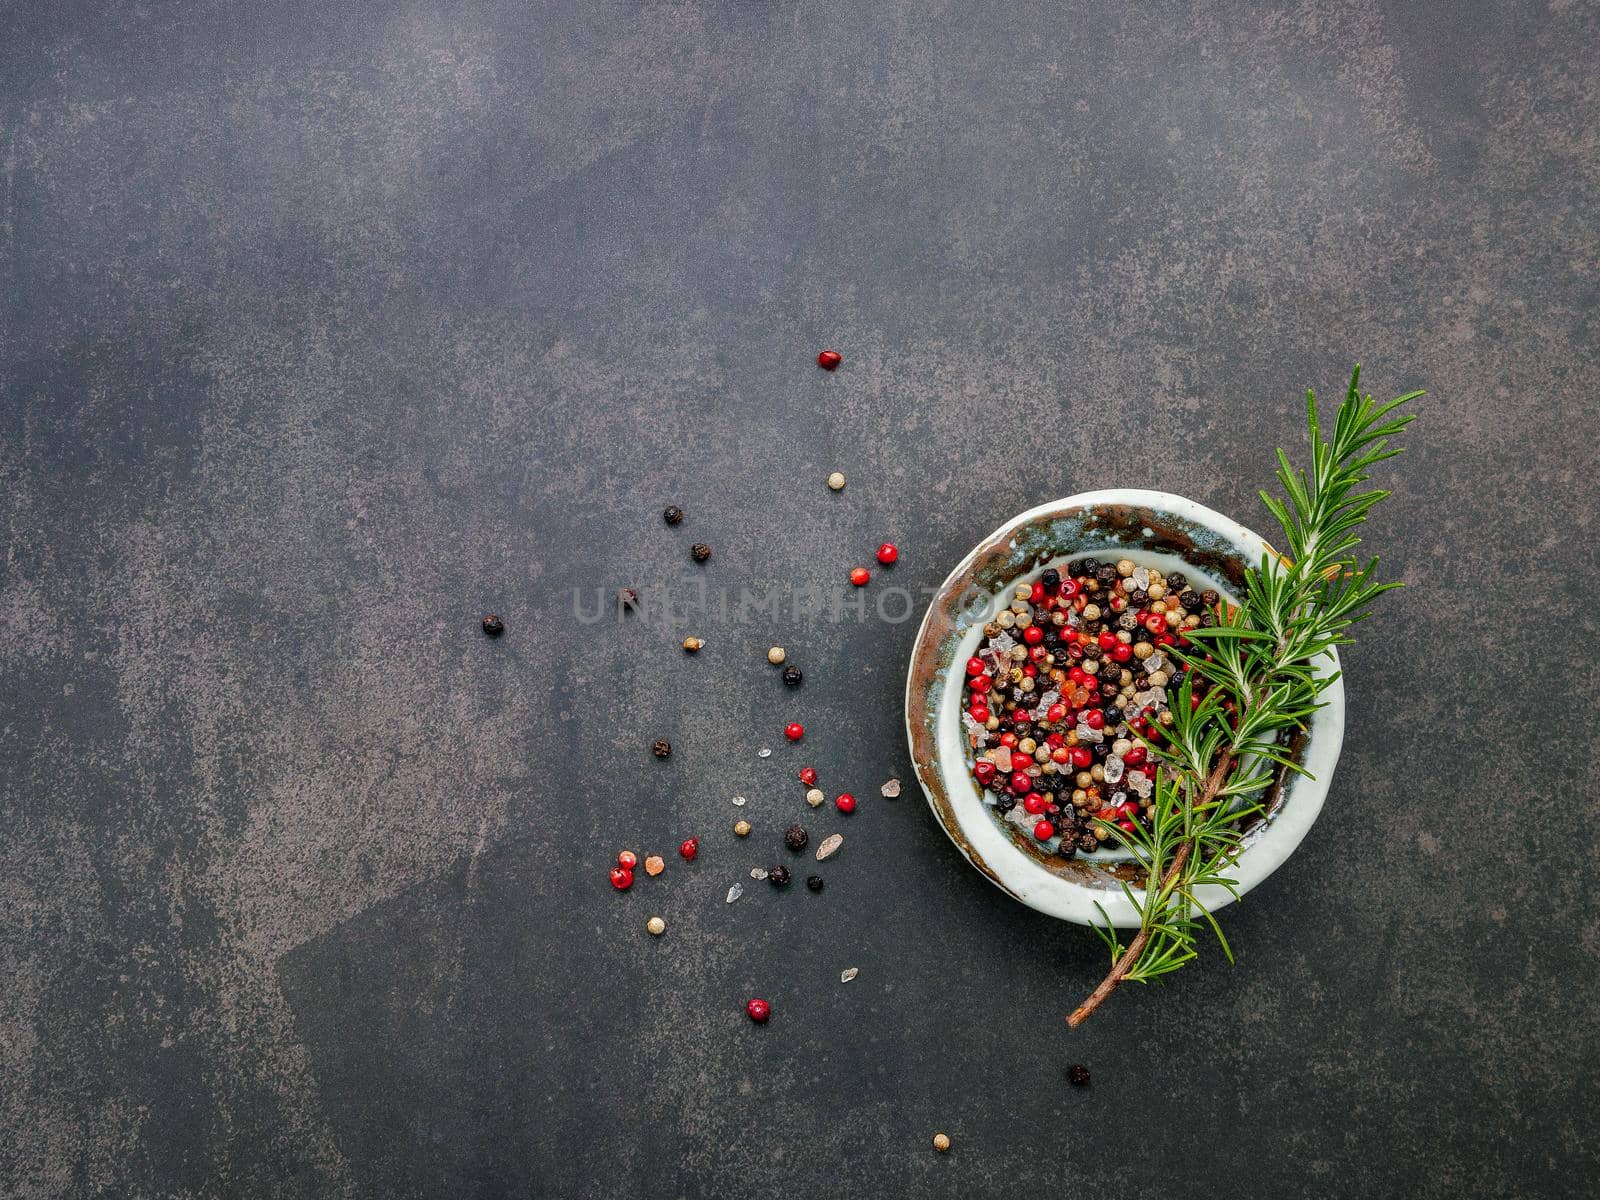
<point x="1158" y="528"/>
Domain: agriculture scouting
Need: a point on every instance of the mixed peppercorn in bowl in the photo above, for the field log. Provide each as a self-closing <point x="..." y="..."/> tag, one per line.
<point x="1044" y="665"/>
<point x="1070" y="680"/>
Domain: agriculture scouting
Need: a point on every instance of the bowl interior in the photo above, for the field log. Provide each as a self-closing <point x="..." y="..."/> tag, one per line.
<point x="950" y="697"/>
<point x="1156" y="529"/>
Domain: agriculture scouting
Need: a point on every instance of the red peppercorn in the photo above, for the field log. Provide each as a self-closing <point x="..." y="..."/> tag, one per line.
<point x="845" y="802"/>
<point x="1121" y="652"/>
<point x="974" y="666"/>
<point x="829" y="359"/>
<point x="1037" y="653"/>
<point x="1135" y="756"/>
<point x="1061" y="755"/>
<point x="621" y="878"/>
<point x="984" y="772"/>
<point x="888" y="554"/>
<point x="1033" y="802"/>
<point x="1055" y="712"/>
<point x="1044" y="831"/>
<point x="980" y="714"/>
<point x="628" y="860"/>
<point x="1033" y="635"/>
<point x="1028" y="669"/>
<point x="689" y="848"/>
<point x="1166" y="639"/>
<point x="1155" y="623"/>
<point x="758" y="1011"/>
<point x="808" y="775"/>
<point x="1108" y="640"/>
<point x="859" y="576"/>
<point x="1081" y="758"/>
<point x="1125" y="824"/>
<point x="1094" y="719"/>
<point x="1008" y="740"/>
<point x="1078" y="675"/>
<point x="980" y="684"/>
<point x="1036" y="596"/>
<point x="1068" y="589"/>
<point x="1020" y="783"/>
<point x="794" y="731"/>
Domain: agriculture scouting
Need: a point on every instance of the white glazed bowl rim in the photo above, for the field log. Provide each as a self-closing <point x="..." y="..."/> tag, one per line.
<point x="1075" y="890"/>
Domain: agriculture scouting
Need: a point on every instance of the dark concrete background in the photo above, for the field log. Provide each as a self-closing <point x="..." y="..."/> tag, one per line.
<point x="327" y="327"/>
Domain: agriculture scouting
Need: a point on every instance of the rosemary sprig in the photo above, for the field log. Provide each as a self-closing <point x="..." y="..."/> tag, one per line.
<point x="1262" y="659"/>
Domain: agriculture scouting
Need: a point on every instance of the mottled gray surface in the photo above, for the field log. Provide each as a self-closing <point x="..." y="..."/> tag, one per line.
<point x="328" y="326"/>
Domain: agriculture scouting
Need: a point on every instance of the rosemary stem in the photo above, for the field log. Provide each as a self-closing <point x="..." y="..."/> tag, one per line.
<point x="1265" y="656"/>
<point x="1130" y="956"/>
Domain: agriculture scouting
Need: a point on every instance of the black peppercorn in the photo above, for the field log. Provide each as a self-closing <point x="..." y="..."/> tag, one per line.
<point x="1106" y="574"/>
<point x="1190" y="600"/>
<point x="1177" y="581"/>
<point x="1088" y="843"/>
<point x="1109" y="688"/>
<point x="1089" y="566"/>
<point x="1207" y="620"/>
<point x="1079" y="1075"/>
<point x="673" y="515"/>
<point x="699" y="552"/>
<point x="1113" y="715"/>
<point x="1209" y="598"/>
<point x="1138" y="597"/>
<point x="814" y="882"/>
<point x="792" y="675"/>
<point x="1051" y="579"/>
<point x="493" y="625"/>
<point x="795" y="837"/>
<point x="1100" y="750"/>
<point x="661" y="748"/>
<point x="778" y="876"/>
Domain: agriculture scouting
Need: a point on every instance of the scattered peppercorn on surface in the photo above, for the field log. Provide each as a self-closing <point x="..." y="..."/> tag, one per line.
<point x="1051" y="711"/>
<point x="1070" y="680"/>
